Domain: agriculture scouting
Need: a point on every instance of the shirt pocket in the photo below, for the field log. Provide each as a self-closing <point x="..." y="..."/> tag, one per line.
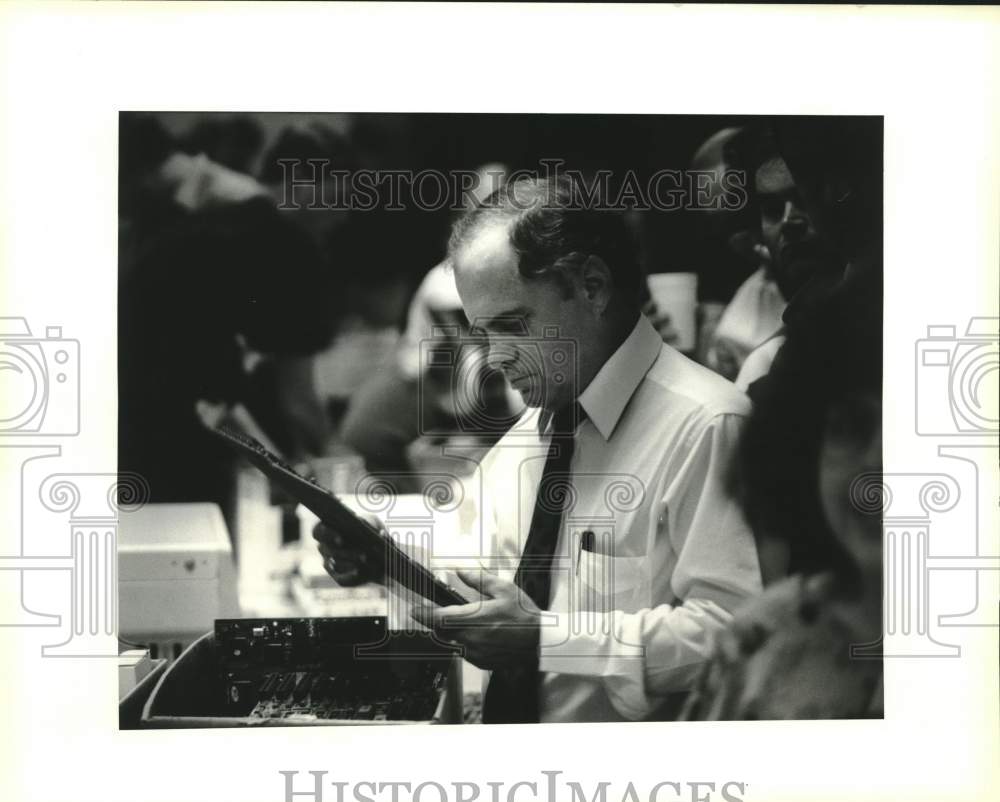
<point x="605" y="582"/>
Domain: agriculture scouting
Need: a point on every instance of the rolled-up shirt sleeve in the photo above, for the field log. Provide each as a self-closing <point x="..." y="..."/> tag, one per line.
<point x="643" y="656"/>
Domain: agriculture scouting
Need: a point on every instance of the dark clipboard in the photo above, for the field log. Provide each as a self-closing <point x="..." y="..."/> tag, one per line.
<point x="381" y="550"/>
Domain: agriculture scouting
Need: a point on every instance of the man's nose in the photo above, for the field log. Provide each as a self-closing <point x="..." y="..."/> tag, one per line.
<point x="794" y="222"/>
<point x="499" y="354"/>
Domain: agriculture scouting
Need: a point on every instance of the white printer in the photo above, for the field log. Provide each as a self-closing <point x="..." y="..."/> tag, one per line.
<point x="175" y="575"/>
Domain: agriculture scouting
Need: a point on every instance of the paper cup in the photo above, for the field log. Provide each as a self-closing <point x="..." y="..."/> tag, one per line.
<point x="676" y="294"/>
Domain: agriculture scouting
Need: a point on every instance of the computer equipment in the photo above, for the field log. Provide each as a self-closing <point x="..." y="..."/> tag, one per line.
<point x="175" y="575"/>
<point x="300" y="670"/>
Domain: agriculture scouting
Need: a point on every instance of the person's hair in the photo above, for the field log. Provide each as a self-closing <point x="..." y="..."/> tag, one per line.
<point x="832" y="357"/>
<point x="553" y="228"/>
<point x="837" y="162"/>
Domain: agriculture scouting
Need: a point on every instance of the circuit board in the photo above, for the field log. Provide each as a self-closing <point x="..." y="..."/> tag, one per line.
<point x="307" y="669"/>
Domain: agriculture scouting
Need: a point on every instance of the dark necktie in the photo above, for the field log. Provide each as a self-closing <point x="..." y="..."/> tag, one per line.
<point x="512" y="693"/>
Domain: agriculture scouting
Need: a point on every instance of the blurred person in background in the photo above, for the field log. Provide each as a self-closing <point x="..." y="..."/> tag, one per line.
<point x="215" y="291"/>
<point x="794" y="249"/>
<point x="372" y="255"/>
<point x="844" y="202"/>
<point x="401" y="400"/>
<point x="790" y="251"/>
<point x="810" y="457"/>
<point x="295" y="170"/>
<point x="185" y="224"/>
<point x="436" y="302"/>
<point x="836" y="167"/>
<point x="307" y="171"/>
<point x="159" y="183"/>
<point x="728" y="239"/>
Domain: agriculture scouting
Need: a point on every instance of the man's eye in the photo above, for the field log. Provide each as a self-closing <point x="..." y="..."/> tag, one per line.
<point x="510" y="328"/>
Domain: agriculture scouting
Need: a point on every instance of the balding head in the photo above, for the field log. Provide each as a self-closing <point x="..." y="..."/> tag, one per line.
<point x="552" y="233"/>
<point x="535" y="275"/>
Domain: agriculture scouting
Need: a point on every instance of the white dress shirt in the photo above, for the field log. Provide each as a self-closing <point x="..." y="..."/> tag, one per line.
<point x="758" y="363"/>
<point x="632" y="614"/>
<point x="752" y="316"/>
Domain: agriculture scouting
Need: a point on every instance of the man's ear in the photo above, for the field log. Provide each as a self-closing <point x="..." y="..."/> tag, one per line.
<point x="595" y="276"/>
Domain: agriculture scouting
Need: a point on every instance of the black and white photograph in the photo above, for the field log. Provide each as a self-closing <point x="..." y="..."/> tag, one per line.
<point x="605" y="391"/>
<point x="379" y="381"/>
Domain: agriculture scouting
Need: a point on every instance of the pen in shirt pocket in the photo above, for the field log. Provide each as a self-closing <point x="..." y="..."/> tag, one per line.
<point x="587" y="539"/>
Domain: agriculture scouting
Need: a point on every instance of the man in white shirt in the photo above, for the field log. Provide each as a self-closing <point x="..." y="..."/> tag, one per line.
<point x="615" y="550"/>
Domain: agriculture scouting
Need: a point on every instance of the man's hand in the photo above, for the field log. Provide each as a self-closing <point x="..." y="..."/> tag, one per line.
<point x="500" y="630"/>
<point x="347" y="564"/>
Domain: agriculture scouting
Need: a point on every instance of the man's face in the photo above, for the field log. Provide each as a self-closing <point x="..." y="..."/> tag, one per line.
<point x="797" y="251"/>
<point x="538" y="337"/>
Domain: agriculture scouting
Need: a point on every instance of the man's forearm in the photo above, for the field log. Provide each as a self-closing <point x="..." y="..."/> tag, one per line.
<point x="639" y="657"/>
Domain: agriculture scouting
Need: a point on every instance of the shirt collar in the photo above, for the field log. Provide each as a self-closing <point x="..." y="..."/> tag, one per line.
<point x="609" y="392"/>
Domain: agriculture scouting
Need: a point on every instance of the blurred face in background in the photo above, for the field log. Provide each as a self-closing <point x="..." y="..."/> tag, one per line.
<point x="796" y="250"/>
<point x="837" y="164"/>
<point x="734" y="229"/>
